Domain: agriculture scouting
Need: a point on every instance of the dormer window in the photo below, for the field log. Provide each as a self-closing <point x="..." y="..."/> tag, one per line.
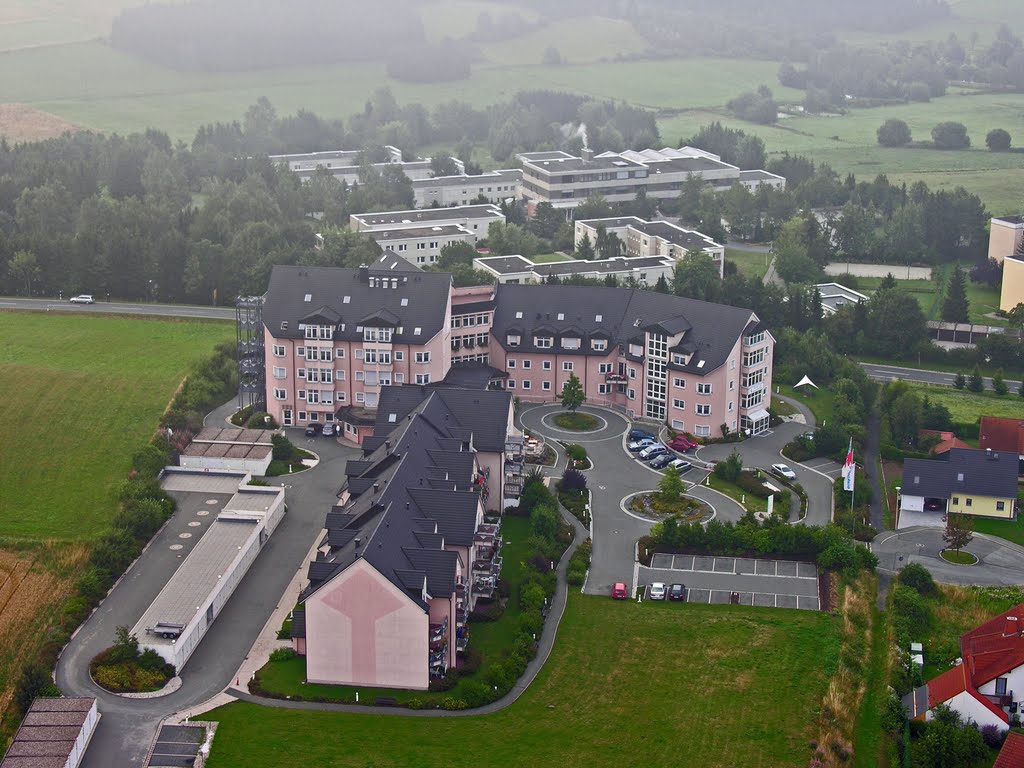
<point x="755" y="338"/>
<point x="570" y="342"/>
<point x="678" y="359"/>
<point x="599" y="345"/>
<point x="543" y="342"/>
<point x="513" y="340"/>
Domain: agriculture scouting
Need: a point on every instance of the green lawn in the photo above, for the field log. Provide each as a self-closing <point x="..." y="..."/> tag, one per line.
<point x="492" y="638"/>
<point x="818" y="400"/>
<point x="750" y="264"/>
<point x="968" y="407"/>
<point x="662" y="684"/>
<point x="749" y="502"/>
<point x="1011" y="530"/>
<point x="81" y="395"/>
<point x="849" y="143"/>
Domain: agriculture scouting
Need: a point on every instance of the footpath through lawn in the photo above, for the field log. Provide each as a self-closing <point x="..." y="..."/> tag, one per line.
<point x="627" y="684"/>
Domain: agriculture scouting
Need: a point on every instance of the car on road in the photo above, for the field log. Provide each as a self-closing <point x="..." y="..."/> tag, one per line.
<point x="661" y="460"/>
<point x="639" y="445"/>
<point x="657" y="591"/>
<point x="312" y="430"/>
<point x="680" y="465"/>
<point x="652" y="450"/>
<point x="82" y="298"/>
<point x="682" y="443"/>
<point x="677" y="592"/>
<point x="619" y="591"/>
<point x="330" y="429"/>
<point x="639" y="434"/>
<point x="783" y="470"/>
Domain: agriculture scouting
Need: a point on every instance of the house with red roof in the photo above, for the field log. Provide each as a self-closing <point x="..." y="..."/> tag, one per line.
<point x="998" y="433"/>
<point x="987" y="686"/>
<point x="1012" y="753"/>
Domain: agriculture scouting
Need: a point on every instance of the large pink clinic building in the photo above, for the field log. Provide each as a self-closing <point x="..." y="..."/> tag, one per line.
<point x="336" y="337"/>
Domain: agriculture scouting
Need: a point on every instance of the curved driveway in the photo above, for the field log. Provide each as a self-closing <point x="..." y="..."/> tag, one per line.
<point x="614" y="476"/>
<point x="128" y="726"/>
<point x="1001" y="563"/>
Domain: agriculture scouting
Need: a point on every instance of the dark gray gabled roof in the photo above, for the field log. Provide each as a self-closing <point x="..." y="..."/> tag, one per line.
<point x="714" y="329"/>
<point x="419" y="300"/>
<point x="439" y="567"/>
<point x="963" y="470"/>
<point x="457" y="412"/>
<point x="389" y="261"/>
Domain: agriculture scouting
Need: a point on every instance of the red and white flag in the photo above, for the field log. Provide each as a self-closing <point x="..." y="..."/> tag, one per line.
<point x="849" y="469"/>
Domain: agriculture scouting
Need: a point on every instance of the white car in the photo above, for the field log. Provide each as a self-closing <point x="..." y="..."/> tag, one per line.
<point x="82" y="298"/>
<point x="653" y="450"/>
<point x="783" y="470"/>
<point x="657" y="591"/>
<point x="681" y="465"/>
<point x="639" y="445"/>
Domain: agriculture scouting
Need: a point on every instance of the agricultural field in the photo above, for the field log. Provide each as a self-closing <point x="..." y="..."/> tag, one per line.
<point x="968" y="407"/>
<point x="849" y="143"/>
<point x="679" y="684"/>
<point x="82" y="394"/>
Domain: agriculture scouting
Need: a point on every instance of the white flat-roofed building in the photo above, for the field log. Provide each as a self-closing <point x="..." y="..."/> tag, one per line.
<point x="462" y="189"/>
<point x="421" y="245"/>
<point x="645" y="270"/>
<point x="474" y="218"/>
<point x="654" y="238"/>
<point x="180" y="615"/>
<point x="344" y="164"/>
<point x="836" y="295"/>
<point x="54" y="734"/>
<point x="566" y="180"/>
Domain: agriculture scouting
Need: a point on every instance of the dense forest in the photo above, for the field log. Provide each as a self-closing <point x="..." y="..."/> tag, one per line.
<point x="138" y="217"/>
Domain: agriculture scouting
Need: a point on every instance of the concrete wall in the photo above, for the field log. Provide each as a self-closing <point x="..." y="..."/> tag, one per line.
<point x="256" y="467"/>
<point x="362" y="630"/>
<point x="1003" y="238"/>
<point x="461" y="190"/>
<point x="1013" y="284"/>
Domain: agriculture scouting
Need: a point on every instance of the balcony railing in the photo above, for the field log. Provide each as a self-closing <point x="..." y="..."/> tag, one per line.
<point x="462" y="643"/>
<point x="461" y="614"/>
<point x="513" y="490"/>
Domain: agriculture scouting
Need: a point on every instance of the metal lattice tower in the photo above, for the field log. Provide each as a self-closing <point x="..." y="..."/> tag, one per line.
<point x="252" y="389"/>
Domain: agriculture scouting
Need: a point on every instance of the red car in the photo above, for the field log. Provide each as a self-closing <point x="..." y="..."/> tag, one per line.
<point x="682" y="443"/>
<point x="619" y="591"/>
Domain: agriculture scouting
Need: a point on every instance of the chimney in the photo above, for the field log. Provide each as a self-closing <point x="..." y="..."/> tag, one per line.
<point x="587" y="154"/>
<point x="1012" y="627"/>
<point x="376" y="487"/>
<point x="358" y="541"/>
<point x="364" y="273"/>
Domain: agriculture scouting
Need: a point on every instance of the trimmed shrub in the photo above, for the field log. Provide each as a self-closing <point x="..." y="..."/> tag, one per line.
<point x="918" y="578"/>
<point x="283" y="654"/>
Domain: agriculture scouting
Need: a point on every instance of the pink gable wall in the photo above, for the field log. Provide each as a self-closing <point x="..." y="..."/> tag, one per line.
<point x="362" y="630"/>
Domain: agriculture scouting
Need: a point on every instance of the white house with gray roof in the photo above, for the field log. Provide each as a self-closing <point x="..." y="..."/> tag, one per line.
<point x="653" y="238"/>
<point x="644" y="270"/>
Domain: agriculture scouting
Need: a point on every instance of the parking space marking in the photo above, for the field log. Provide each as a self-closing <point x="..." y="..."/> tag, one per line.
<point x="791" y="569"/>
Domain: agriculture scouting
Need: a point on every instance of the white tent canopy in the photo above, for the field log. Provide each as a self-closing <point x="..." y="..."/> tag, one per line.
<point x="805" y="380"/>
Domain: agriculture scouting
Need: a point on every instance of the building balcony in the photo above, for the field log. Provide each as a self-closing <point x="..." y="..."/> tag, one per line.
<point x="438" y="659"/>
<point x="752" y="387"/>
<point x="462" y="643"/>
<point x="616" y="378"/>
<point x="461" y="614"/>
<point x="439" y="632"/>
<point x="513" y="490"/>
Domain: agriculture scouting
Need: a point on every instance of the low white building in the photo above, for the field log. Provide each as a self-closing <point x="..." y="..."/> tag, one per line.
<point x="180" y="615"/>
<point x="653" y="238"/>
<point x="344" y="164"/>
<point x="645" y="270"/>
<point x="473" y="218"/>
<point x="231" y="448"/>
<point x="462" y="189"/>
<point x="836" y="295"/>
<point x="421" y="245"/>
<point x="55" y="732"/>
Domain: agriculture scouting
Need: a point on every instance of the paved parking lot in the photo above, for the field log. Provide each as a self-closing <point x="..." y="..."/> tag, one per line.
<point x="767" y="583"/>
<point x="176" y="745"/>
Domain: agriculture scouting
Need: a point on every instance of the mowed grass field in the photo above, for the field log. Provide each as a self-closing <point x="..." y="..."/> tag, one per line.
<point x="849" y="143"/>
<point x="81" y="395"/>
<point x="968" y="407"/>
<point x="627" y="684"/>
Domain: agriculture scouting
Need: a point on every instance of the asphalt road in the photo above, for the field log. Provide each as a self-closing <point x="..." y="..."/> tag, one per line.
<point x="890" y="372"/>
<point x="1000" y="563"/>
<point x="128" y="726"/>
<point x="120" y="308"/>
<point x="615" y="476"/>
